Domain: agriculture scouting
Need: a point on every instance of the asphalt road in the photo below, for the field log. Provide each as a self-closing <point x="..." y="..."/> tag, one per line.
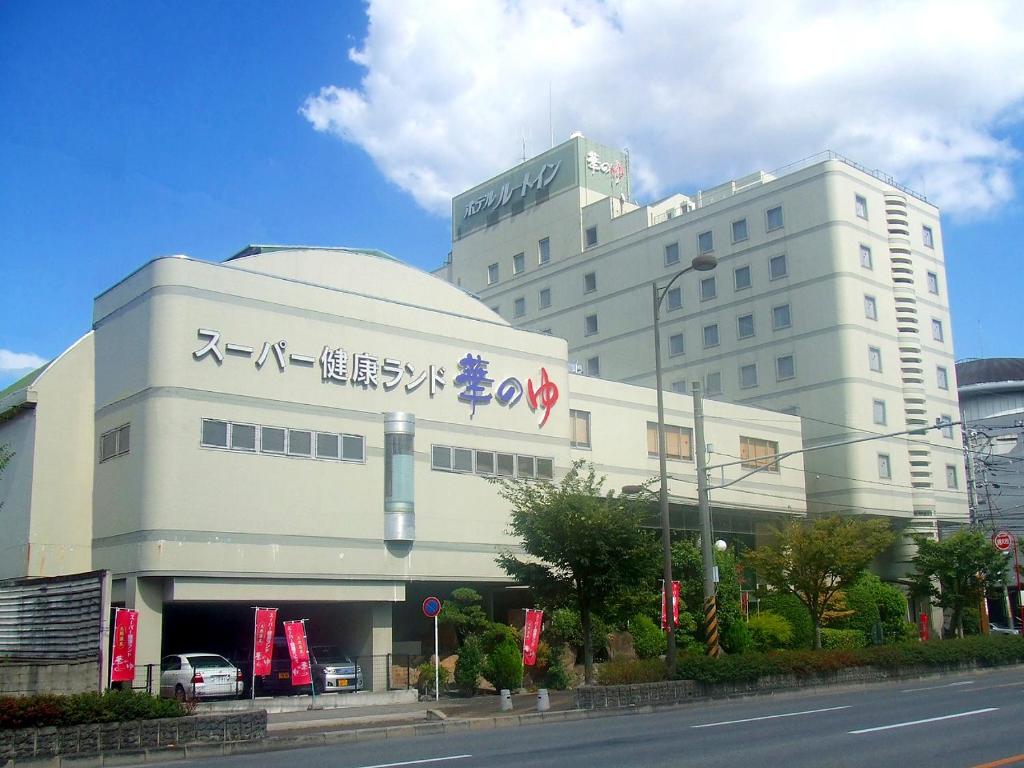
<point x="960" y="722"/>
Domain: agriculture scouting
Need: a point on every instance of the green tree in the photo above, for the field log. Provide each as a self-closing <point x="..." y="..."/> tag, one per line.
<point x="816" y="559"/>
<point x="582" y="546"/>
<point x="957" y="571"/>
<point x="688" y="568"/>
<point x="464" y="614"/>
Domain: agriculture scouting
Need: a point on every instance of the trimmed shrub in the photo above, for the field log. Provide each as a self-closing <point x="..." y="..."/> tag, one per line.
<point x="832" y="639"/>
<point x="496" y="634"/>
<point x="623" y="671"/>
<point x="792" y="610"/>
<point x="108" y="707"/>
<point x="735" y="636"/>
<point x="556" y="677"/>
<point x="503" y="667"/>
<point x="648" y="639"/>
<point x="769" y="631"/>
<point x="467" y="668"/>
<point x="425" y="682"/>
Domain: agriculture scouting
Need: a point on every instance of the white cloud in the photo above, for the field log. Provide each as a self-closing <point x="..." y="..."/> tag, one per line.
<point x="16" y="364"/>
<point x="926" y="90"/>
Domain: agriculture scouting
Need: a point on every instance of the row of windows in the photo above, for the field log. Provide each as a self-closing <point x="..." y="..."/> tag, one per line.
<point x="773" y="221"/>
<point x="878" y="415"/>
<point x="867" y="262"/>
<point x="860" y="207"/>
<point x="885" y="471"/>
<point x="115" y="442"/>
<point x="519" y="261"/>
<point x="447" y="458"/>
<point x="281" y="441"/>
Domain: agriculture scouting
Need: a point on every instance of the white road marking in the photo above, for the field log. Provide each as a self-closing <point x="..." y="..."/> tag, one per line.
<point x="936" y="687"/>
<point x="926" y="720"/>
<point x="771" y="717"/>
<point x="418" y="762"/>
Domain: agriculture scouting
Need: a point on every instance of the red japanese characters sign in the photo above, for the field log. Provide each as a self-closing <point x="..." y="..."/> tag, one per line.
<point x="1003" y="541"/>
<point x="263" y="640"/>
<point x="298" y="651"/>
<point x="675" y="605"/>
<point x="531" y="635"/>
<point x="122" y="654"/>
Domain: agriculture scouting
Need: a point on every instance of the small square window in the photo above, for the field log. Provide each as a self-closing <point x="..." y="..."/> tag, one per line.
<point x="590" y="282"/>
<point x="708" y="288"/>
<point x="243" y="437"/>
<point x="594" y="366"/>
<point x="671" y="254"/>
<point x="462" y="460"/>
<point x="745" y="326"/>
<point x="526" y="466"/>
<point x="942" y="377"/>
<point x="926" y="235"/>
<point x="713" y="383"/>
<point x="675" y="345"/>
<point x="785" y="368"/>
<point x="492" y="274"/>
<point x="545" y="469"/>
<point x="679" y="387"/>
<point x="485" y="462"/>
<point x="878" y="412"/>
<point x="861" y="206"/>
<point x="272" y="439"/>
<point x="590" y="237"/>
<point x="519" y="264"/>
<point x="327" y="446"/>
<point x="739" y="231"/>
<point x="952" y="480"/>
<point x="519" y="307"/>
<point x="545" y="298"/>
<point x="705" y="242"/>
<point x="933" y="283"/>
<point x="215" y="433"/>
<point x="543" y="251"/>
<point x="580" y="427"/>
<point x="300" y="442"/>
<point x="674" y="299"/>
<point x="506" y="465"/>
<point x="884" y="467"/>
<point x="937" y="332"/>
<point x="352" y="448"/>
<point x="773" y="218"/>
<point x="741" y="278"/>
<point x="947" y="426"/>
<point x="590" y="325"/>
<point x="440" y="457"/>
<point x="777" y="267"/>
<point x="875" y="359"/>
<point x="748" y="376"/>
<point x="711" y="335"/>
<point x="781" y="317"/>
<point x="870" y="307"/>
<point x="865" y="257"/>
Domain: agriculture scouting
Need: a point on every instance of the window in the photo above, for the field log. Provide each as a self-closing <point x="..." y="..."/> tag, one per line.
<point x="545" y="468"/>
<point x="773" y="218"/>
<point x="590" y="325"/>
<point x="679" y="386"/>
<point x="543" y="251"/>
<point x="519" y="307"/>
<point x="594" y="366"/>
<point x="937" y="330"/>
<point x="711" y="335"/>
<point x="215" y="433"/>
<point x="745" y="326"/>
<point x="777" y="267"/>
<point x="678" y="442"/>
<point x="674" y="299"/>
<point x="865" y="257"/>
<point x="671" y="254"/>
<point x="739" y="231"/>
<point x="884" y="466"/>
<point x="875" y="359"/>
<point x="942" y="377"/>
<point x="947" y="426"/>
<point x="462" y="460"/>
<point x="352" y="448"/>
<point x="748" y="376"/>
<point x="713" y="383"/>
<point x="506" y="465"/>
<point x="300" y="442"/>
<point x="280" y="441"/>
<point x="327" y="446"/>
<point x="544" y="298"/>
<point x="933" y="283"/>
<point x="755" y="453"/>
<point x="579" y="422"/>
<point x="450" y="459"/>
<point x="519" y="264"/>
<point x="878" y="411"/>
<point x="781" y="317"/>
<point x="485" y="462"/>
<point x="675" y="345"/>
<point x="526" y="466"/>
<point x="926" y="235"/>
<point x="272" y="439"/>
<point x="705" y="242"/>
<point x="741" y="278"/>
<point x="870" y="307"/>
<point x="115" y="442"/>
<point x="708" y="288"/>
<point x="243" y="437"/>
<point x="590" y="282"/>
<point x="951" y="476"/>
<point x="860" y="204"/>
<point x="590" y="237"/>
<point x="492" y="274"/>
<point x="785" y="368"/>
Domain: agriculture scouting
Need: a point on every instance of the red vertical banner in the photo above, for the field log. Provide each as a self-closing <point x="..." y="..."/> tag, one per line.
<point x="531" y="635"/>
<point x="298" y="651"/>
<point x="122" y="655"/>
<point x="263" y="640"/>
<point x="923" y="627"/>
<point x="675" y="605"/>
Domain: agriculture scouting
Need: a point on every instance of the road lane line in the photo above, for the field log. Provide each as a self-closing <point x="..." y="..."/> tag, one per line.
<point x="936" y="687"/>
<point x="417" y="762"/>
<point x="926" y="720"/>
<point x="1004" y="761"/>
<point x="770" y="717"/>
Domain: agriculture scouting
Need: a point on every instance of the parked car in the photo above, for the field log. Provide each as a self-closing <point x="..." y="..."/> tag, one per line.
<point x="199" y="676"/>
<point x="999" y="629"/>
<point x="334" y="671"/>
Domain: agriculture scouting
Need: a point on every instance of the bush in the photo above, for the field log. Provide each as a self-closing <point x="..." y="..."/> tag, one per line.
<point x="875" y="601"/>
<point x="735" y="636"/>
<point x="565" y="627"/>
<point x="496" y="634"/>
<point x="467" y="668"/>
<point x="623" y="671"/>
<point x="648" y="639"/>
<point x="832" y="639"/>
<point x="556" y="678"/>
<point x="111" y="706"/>
<point x="861" y="599"/>
<point x="792" y="610"/>
<point x="503" y="667"/>
<point x="425" y="682"/>
<point x="769" y="631"/>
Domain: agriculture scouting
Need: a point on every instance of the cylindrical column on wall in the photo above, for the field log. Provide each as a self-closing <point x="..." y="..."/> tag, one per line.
<point x="399" y="481"/>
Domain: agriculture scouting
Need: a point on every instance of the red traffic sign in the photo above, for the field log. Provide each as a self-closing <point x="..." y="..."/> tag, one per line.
<point x="431" y="607"/>
<point x="1003" y="541"/>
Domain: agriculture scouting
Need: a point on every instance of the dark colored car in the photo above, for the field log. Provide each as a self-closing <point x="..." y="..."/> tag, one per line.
<point x="332" y="670"/>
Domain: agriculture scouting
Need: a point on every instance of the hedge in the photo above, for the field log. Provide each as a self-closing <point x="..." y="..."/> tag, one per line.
<point x="111" y="706"/>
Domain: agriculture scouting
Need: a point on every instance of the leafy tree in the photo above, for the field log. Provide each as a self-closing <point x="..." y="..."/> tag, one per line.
<point x="875" y="601"/>
<point x="956" y="572"/>
<point x="503" y="667"/>
<point x="469" y="665"/>
<point x="464" y="613"/>
<point x="815" y="560"/>
<point x="583" y="545"/>
<point x="688" y="568"/>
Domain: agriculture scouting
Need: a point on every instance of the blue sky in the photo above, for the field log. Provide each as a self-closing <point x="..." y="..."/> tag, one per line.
<point x="134" y="130"/>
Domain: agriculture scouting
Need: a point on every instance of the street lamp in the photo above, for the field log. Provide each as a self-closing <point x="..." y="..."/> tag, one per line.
<point x="702" y="263"/>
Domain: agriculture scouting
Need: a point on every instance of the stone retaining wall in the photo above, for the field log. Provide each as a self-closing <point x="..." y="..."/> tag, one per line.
<point x="25" y="679"/>
<point x="106" y="738"/>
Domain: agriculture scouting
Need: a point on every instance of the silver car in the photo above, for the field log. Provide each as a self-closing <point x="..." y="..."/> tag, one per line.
<point x="334" y="671"/>
<point x="198" y="676"/>
<point x="999" y="629"/>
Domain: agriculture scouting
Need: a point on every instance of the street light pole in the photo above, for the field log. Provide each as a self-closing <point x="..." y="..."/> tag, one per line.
<point x="701" y="264"/>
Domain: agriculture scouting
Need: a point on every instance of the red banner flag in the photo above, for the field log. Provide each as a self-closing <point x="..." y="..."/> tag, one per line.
<point x="531" y="635"/>
<point x="675" y="605"/>
<point x="263" y="640"/>
<point x="298" y="651"/>
<point x="122" y="655"/>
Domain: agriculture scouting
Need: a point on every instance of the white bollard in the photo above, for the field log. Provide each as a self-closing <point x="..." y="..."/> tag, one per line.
<point x="543" y="702"/>
<point x="506" y="699"/>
